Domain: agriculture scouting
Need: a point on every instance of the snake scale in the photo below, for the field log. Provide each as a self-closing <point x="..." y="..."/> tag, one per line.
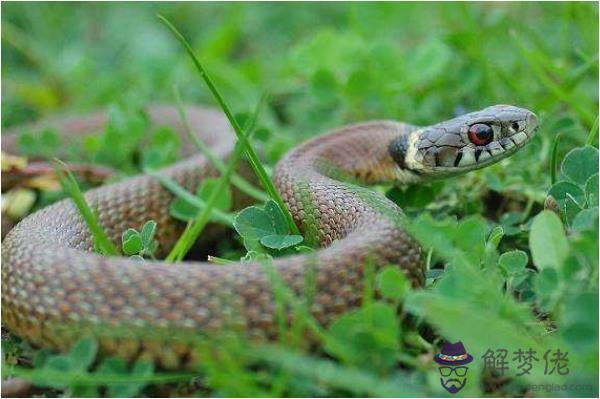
<point x="55" y="289"/>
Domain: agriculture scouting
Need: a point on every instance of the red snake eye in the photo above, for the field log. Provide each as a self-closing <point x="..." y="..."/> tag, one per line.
<point x="481" y="134"/>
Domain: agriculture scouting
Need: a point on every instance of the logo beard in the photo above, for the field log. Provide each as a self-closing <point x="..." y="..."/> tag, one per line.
<point x="453" y="385"/>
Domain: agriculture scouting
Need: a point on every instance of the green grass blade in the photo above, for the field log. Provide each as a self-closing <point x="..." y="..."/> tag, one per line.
<point x="181" y="192"/>
<point x="351" y="379"/>
<point x="195" y="227"/>
<point x="238" y="181"/>
<point x="242" y="139"/>
<point x="220" y="261"/>
<point x="69" y="377"/>
<point x="101" y="240"/>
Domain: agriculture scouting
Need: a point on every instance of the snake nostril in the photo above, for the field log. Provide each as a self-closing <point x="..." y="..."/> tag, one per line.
<point x="515" y="126"/>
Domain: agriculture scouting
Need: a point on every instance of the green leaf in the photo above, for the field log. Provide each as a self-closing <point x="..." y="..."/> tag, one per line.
<point x="83" y="353"/>
<point x="162" y="150"/>
<point x="495" y="236"/>
<point x="546" y="284"/>
<point x="580" y="163"/>
<point x="140" y="371"/>
<point x="571" y="208"/>
<point x="470" y="235"/>
<point x="206" y="189"/>
<point x="392" y="283"/>
<point x="148" y="232"/>
<point x="513" y="261"/>
<point x="435" y="233"/>
<point x="253" y="223"/>
<point x="368" y="337"/>
<point x="118" y="366"/>
<point x="27" y="144"/>
<point x="183" y="210"/>
<point x="266" y="225"/>
<point x="569" y="197"/>
<point x="44" y="144"/>
<point x="132" y="242"/>
<point x="277" y="217"/>
<point x="581" y="337"/>
<point x="415" y="195"/>
<point x="579" y="324"/>
<point x="560" y="190"/>
<point x="587" y="219"/>
<point x="50" y="139"/>
<point x="60" y="363"/>
<point x="591" y="190"/>
<point x="511" y="223"/>
<point x="114" y="366"/>
<point x="40" y="357"/>
<point x="278" y="241"/>
<point x="82" y="391"/>
<point x="547" y="241"/>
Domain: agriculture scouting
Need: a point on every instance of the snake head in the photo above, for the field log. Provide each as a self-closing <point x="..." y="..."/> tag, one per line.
<point x="468" y="142"/>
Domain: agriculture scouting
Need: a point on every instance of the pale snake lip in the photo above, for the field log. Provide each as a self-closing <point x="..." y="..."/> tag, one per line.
<point x="483" y="156"/>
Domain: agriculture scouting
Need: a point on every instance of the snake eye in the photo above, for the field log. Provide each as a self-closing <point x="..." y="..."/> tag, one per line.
<point x="481" y="134"/>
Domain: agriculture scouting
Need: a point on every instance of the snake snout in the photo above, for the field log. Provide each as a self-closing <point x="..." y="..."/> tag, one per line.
<point x="532" y="123"/>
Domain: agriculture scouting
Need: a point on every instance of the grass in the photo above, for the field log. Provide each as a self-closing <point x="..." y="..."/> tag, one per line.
<point x="236" y="180"/>
<point x="241" y="136"/>
<point x="70" y="186"/>
<point x="195" y="227"/>
<point x="495" y="257"/>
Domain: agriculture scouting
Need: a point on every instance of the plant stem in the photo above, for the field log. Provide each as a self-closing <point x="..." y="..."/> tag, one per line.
<point x="195" y="227"/>
<point x="238" y="181"/>
<point x="220" y="261"/>
<point x="171" y="185"/>
<point x="242" y="139"/>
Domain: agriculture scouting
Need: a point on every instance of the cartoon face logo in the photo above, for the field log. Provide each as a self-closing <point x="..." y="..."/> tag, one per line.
<point x="452" y="360"/>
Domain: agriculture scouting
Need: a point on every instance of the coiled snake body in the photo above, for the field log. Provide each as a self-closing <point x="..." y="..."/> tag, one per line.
<point x="54" y="288"/>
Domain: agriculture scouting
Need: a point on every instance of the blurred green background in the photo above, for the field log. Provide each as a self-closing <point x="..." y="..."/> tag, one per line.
<point x="324" y="63"/>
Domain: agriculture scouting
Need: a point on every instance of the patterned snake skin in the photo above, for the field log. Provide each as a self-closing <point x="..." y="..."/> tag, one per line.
<point x="54" y="289"/>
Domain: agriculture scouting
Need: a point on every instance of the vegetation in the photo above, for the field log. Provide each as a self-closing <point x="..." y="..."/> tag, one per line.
<point x="512" y="250"/>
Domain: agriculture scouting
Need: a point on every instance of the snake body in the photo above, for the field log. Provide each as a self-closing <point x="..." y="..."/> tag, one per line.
<point x="52" y="282"/>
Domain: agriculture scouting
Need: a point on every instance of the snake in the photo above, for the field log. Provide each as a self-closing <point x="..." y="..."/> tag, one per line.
<point x="56" y="289"/>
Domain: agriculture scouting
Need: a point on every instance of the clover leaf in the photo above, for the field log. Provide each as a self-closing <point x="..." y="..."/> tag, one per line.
<point x="266" y="226"/>
<point x="140" y="243"/>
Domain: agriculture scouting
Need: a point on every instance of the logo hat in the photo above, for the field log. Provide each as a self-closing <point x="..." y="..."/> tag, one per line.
<point x="453" y="355"/>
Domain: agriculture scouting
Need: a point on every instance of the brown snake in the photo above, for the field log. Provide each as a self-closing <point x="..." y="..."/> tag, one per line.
<point x="52" y="283"/>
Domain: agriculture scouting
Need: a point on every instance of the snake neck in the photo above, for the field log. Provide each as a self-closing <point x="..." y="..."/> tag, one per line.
<point x="322" y="180"/>
<point x="359" y="154"/>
